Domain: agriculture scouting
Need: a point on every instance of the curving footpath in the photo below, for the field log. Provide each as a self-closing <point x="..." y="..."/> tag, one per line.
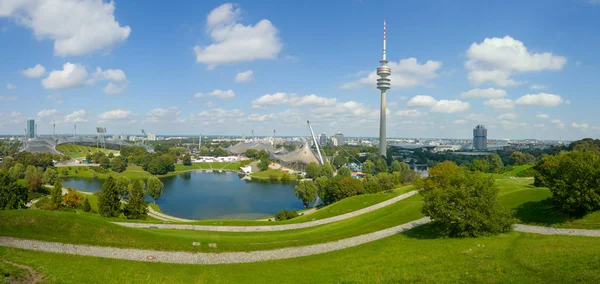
<point x="206" y="258"/>
<point x="270" y="228"/>
<point x="556" y="231"/>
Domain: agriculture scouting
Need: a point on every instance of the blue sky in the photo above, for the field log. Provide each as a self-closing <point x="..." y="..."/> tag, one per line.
<point x="524" y="69"/>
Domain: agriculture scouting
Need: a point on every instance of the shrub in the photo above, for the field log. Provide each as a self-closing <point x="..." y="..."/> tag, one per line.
<point x="86" y="205"/>
<point x="72" y="199"/>
<point x="344" y="171"/>
<point x="286" y="215"/>
<point x="273" y="178"/>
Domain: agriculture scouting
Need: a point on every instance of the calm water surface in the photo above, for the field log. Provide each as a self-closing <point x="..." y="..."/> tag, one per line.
<point x="200" y="195"/>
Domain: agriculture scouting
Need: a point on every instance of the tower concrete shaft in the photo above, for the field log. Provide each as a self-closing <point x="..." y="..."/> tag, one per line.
<point x="383" y="84"/>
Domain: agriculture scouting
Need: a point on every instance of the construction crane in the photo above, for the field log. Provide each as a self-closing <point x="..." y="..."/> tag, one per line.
<point x="315" y="140"/>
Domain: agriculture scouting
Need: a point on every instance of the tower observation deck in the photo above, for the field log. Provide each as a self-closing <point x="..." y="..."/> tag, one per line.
<point x="383" y="84"/>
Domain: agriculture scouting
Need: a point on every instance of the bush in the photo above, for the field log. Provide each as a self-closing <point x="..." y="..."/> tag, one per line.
<point x="286" y="178"/>
<point x="187" y="160"/>
<point x="86" y="205"/>
<point x="263" y="165"/>
<point x="72" y="199"/>
<point x="463" y="204"/>
<point x="286" y="215"/>
<point x="273" y="178"/>
<point x="344" y="171"/>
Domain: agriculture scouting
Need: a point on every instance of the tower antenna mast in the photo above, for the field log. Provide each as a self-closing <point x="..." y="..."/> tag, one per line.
<point x="383" y="84"/>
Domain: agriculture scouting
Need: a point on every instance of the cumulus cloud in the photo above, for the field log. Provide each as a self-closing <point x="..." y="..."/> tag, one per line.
<point x="47" y="112"/>
<point x="405" y="73"/>
<point x="217" y="116"/>
<point x="72" y="76"/>
<point x="537" y="87"/>
<point x="499" y="103"/>
<point x="450" y="106"/>
<point x="542" y="115"/>
<point x="558" y="123"/>
<point x="460" y="121"/>
<point x="291" y="99"/>
<point x="117" y="80"/>
<point x="581" y="126"/>
<point x="76" y="27"/>
<point x="541" y="99"/>
<point x="508" y="116"/>
<point x="76" y="116"/>
<point x="10" y="86"/>
<point x="495" y="60"/>
<point x="421" y="101"/>
<point x="57" y="98"/>
<point x="34" y="72"/>
<point x="409" y="113"/>
<point x="489" y="93"/>
<point x="234" y="42"/>
<point x="244" y="77"/>
<point x="116" y="114"/>
<point x="162" y="112"/>
<point x="220" y="94"/>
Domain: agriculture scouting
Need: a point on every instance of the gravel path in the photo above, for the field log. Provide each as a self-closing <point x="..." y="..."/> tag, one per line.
<point x="270" y="227"/>
<point x="166" y="217"/>
<point x="206" y="258"/>
<point x="556" y="231"/>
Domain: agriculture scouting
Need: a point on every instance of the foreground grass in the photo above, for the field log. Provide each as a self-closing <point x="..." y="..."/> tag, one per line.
<point x="80" y="151"/>
<point x="266" y="175"/>
<point x="410" y="257"/>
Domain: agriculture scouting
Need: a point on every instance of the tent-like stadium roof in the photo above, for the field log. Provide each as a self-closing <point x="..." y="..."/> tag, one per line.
<point x="303" y="155"/>
<point x="241" y="147"/>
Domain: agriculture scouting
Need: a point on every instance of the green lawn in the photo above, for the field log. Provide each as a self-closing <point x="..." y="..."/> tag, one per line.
<point x="415" y="256"/>
<point x="79" y="151"/>
<point x="264" y="175"/>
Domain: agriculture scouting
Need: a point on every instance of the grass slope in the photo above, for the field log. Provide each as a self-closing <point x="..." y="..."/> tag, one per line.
<point x="79" y="151"/>
<point x="265" y="175"/>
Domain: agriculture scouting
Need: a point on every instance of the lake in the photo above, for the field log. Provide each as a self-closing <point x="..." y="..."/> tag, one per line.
<point x="201" y="195"/>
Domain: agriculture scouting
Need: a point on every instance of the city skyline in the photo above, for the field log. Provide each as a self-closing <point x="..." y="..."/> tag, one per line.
<point x="523" y="76"/>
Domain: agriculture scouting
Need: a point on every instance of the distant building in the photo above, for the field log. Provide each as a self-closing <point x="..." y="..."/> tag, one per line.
<point x="333" y="141"/>
<point x="323" y="139"/>
<point x="340" y="138"/>
<point x="124" y="137"/>
<point x="151" y="136"/>
<point x="480" y="138"/>
<point x="30" y="128"/>
<point x="132" y="138"/>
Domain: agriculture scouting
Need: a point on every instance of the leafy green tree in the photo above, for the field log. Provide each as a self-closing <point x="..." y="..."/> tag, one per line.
<point x="339" y="161"/>
<point x="33" y="178"/>
<point x="263" y="165"/>
<point x="462" y="203"/>
<point x="109" y="199"/>
<point x="89" y="158"/>
<point x="263" y="155"/>
<point x="17" y="171"/>
<point x="12" y="194"/>
<point x="312" y="170"/>
<point x="155" y="188"/>
<point x="397" y="166"/>
<point x="187" y="160"/>
<point x="307" y="192"/>
<point x="520" y="158"/>
<point x="49" y="176"/>
<point x="480" y="165"/>
<point x="87" y="207"/>
<point x="122" y="186"/>
<point x="346" y="187"/>
<point x="55" y="196"/>
<point x="368" y="167"/>
<point x="136" y="206"/>
<point x="118" y="164"/>
<point x="344" y="172"/>
<point x="111" y="155"/>
<point x="322" y="186"/>
<point x="371" y="184"/>
<point x="251" y="153"/>
<point x="495" y="163"/>
<point x="381" y="166"/>
<point x="72" y="199"/>
<point x="326" y="170"/>
<point x="386" y="181"/>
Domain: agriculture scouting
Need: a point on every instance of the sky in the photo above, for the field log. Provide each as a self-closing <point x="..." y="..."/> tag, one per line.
<point x="524" y="69"/>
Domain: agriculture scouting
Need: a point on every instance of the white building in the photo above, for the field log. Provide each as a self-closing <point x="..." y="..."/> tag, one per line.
<point x="151" y="136"/>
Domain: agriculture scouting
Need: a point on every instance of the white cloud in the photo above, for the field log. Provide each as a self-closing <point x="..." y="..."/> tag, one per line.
<point x="116" y="77"/>
<point x="499" y="103"/>
<point x="542" y="115"/>
<point x="260" y="117"/>
<point x="116" y="114"/>
<point x="541" y="99"/>
<point x="537" y="87"/>
<point x="460" y="121"/>
<point x="76" y="116"/>
<point x="420" y="101"/>
<point x="291" y="99"/>
<point x="508" y="116"/>
<point x="162" y="112"/>
<point x="558" y="123"/>
<point x="489" y="93"/>
<point x="450" y="106"/>
<point x="405" y="73"/>
<point x="57" y="98"/>
<point x="582" y="126"/>
<point x="16" y="114"/>
<point x="77" y="27"/>
<point x="217" y="116"/>
<point x="233" y="42"/>
<point x="478" y="117"/>
<point x="34" y="72"/>
<point x="496" y="59"/>
<point x="113" y="89"/>
<point x="10" y="86"/>
<point x="409" y="113"/>
<point x="72" y="76"/>
<point x="47" y="112"/>
<point x="244" y="77"/>
<point x="224" y="95"/>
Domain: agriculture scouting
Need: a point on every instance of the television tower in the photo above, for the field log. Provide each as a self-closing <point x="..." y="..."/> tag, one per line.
<point x="383" y="84"/>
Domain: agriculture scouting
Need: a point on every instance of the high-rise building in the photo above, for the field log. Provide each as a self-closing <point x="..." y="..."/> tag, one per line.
<point x="151" y="136"/>
<point x="480" y="138"/>
<point x="30" y="128"/>
<point x="333" y="141"/>
<point x="323" y="139"/>
<point x="340" y="138"/>
<point x="383" y="84"/>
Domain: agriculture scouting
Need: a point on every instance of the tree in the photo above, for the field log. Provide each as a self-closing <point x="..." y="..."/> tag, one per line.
<point x="325" y="170"/>
<point x="33" y="178"/>
<point x="480" y="165"/>
<point x="307" y="192"/>
<point x="12" y="194"/>
<point x="312" y="170"/>
<point x="49" y="176"/>
<point x="520" y="158"/>
<point x="346" y="187"/>
<point x="118" y="164"/>
<point x="463" y="204"/>
<point x="109" y="200"/>
<point x="72" y="199"/>
<point x="495" y="163"/>
<point x="17" y="171"/>
<point x="104" y="162"/>
<point x="122" y="186"/>
<point x="87" y="207"/>
<point x="155" y="188"/>
<point x="263" y="165"/>
<point x="368" y="168"/>
<point x="344" y="172"/>
<point x="398" y="166"/>
<point x="55" y="196"/>
<point x="187" y="160"/>
<point x="386" y="181"/>
<point x="89" y="158"/>
<point x="574" y="180"/>
<point x="371" y="184"/>
<point x="111" y="155"/>
<point x="136" y="206"/>
<point x="381" y="166"/>
<point x="251" y="153"/>
<point x="339" y="161"/>
<point x="322" y="186"/>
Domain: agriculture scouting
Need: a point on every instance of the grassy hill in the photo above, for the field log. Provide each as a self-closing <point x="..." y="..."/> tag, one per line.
<point x="79" y="151"/>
